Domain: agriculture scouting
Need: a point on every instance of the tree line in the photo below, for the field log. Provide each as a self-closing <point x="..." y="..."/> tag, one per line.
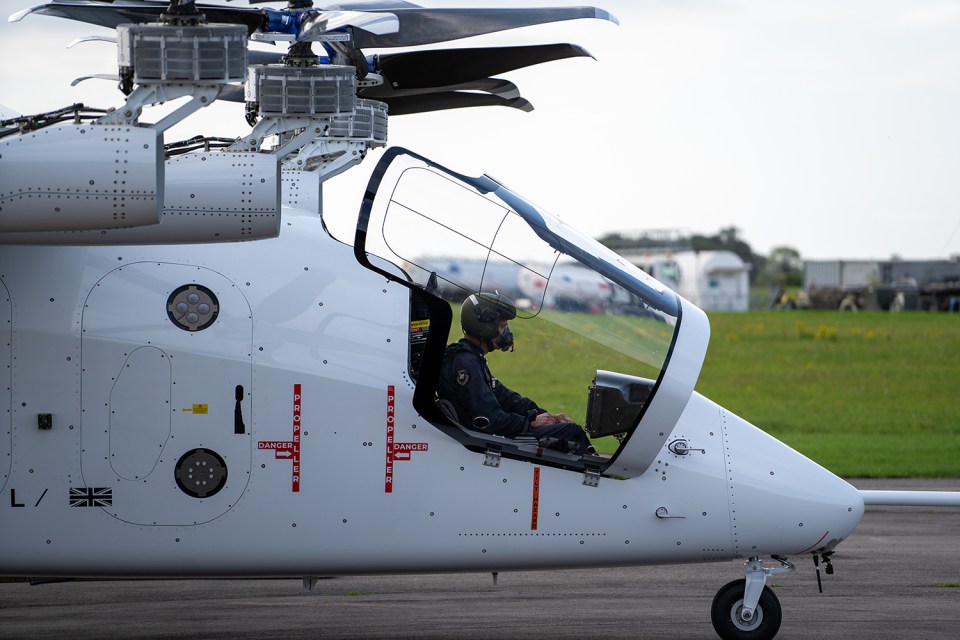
<point x="783" y="267"/>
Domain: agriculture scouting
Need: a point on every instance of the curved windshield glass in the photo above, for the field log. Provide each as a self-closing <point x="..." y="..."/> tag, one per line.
<point x="586" y="318"/>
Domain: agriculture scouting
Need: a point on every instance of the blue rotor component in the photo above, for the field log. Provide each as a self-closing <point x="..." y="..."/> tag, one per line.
<point x="283" y="21"/>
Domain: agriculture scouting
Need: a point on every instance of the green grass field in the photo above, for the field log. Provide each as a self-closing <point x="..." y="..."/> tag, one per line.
<point x="865" y="395"/>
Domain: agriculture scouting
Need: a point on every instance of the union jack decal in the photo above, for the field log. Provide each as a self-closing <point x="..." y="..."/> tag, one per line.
<point x="91" y="497"/>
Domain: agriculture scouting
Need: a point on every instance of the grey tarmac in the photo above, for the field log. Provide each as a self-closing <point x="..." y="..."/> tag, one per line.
<point x="898" y="576"/>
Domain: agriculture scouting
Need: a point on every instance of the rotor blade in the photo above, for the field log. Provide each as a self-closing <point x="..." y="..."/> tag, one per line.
<point x="317" y="24"/>
<point x="494" y="86"/>
<point x="426" y="26"/>
<point x="357" y="5"/>
<point x="445" y="67"/>
<point x="370" y="5"/>
<point x="451" y="100"/>
<point x="98" y="13"/>
<point x="95" y="76"/>
<point x="110" y="39"/>
<point x="112" y="14"/>
<point x="417" y="25"/>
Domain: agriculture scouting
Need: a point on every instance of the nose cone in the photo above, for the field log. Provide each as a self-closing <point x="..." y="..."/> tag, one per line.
<point x="781" y="502"/>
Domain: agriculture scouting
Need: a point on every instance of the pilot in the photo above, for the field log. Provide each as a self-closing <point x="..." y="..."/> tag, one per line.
<point x="481" y="401"/>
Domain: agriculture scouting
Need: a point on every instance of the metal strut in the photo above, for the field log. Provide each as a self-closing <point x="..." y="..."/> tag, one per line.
<point x="756" y="577"/>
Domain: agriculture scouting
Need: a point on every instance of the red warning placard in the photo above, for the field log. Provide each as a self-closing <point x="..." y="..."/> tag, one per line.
<point x="396" y="451"/>
<point x="535" y="503"/>
<point x="391" y="405"/>
<point x="288" y="449"/>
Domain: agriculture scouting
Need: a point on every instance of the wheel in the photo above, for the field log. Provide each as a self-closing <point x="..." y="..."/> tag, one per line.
<point x="725" y="614"/>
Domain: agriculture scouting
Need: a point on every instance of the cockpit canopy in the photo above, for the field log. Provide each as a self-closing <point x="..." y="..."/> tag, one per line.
<point x="447" y="236"/>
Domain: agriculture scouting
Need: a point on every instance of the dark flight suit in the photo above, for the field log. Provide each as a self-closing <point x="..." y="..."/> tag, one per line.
<point x="484" y="404"/>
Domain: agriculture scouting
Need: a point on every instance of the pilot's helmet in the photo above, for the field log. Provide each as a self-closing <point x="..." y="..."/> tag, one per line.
<point x="481" y="314"/>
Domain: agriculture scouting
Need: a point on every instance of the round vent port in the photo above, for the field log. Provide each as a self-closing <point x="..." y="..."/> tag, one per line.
<point x="192" y="307"/>
<point x="201" y="473"/>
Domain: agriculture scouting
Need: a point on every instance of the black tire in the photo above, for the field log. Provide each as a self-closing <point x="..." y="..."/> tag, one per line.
<point x="726" y="620"/>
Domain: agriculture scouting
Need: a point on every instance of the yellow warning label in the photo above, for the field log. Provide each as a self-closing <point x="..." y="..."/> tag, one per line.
<point x="419" y="325"/>
<point x="196" y="409"/>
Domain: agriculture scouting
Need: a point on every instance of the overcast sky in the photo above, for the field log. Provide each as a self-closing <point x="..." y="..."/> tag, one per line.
<point x="831" y="126"/>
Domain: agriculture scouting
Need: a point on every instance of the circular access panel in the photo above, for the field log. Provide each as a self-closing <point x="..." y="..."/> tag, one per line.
<point x="201" y="473"/>
<point x="193" y="307"/>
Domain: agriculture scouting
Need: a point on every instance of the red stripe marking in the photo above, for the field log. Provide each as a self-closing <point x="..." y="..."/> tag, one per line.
<point x="813" y="546"/>
<point x="535" y="506"/>
<point x="388" y="480"/>
<point x="296" y="438"/>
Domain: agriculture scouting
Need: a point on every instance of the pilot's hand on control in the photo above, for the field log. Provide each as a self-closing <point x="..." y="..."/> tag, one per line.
<point x="545" y="419"/>
<point x="542" y="420"/>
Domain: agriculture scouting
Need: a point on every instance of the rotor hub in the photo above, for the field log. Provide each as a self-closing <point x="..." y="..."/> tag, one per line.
<point x="368" y="123"/>
<point x="321" y="91"/>
<point x="162" y="53"/>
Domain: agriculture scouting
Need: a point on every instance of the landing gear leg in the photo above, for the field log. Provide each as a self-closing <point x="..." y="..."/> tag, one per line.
<point x="747" y="609"/>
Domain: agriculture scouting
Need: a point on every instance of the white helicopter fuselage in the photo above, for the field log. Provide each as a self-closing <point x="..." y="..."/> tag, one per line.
<point x="329" y="468"/>
<point x="197" y="379"/>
